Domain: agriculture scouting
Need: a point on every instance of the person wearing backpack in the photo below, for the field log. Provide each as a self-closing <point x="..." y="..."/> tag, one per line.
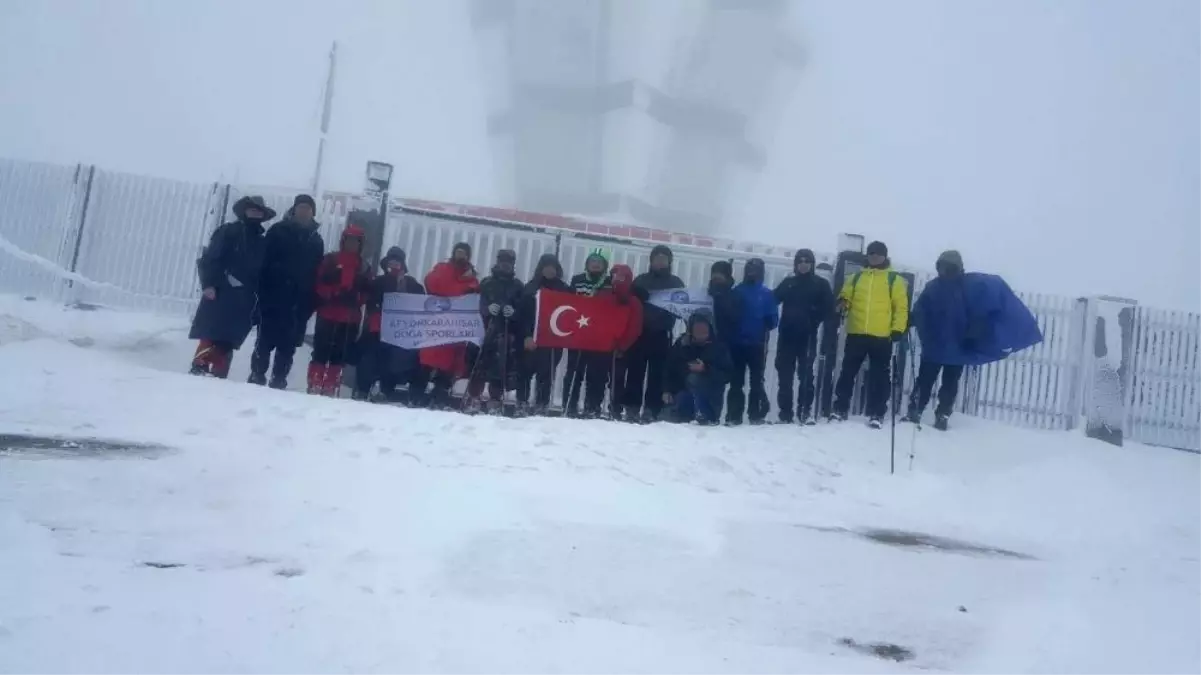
<point x="876" y="305"/>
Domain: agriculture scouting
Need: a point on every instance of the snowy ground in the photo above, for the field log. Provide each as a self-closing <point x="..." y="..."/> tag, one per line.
<point x="279" y="532"/>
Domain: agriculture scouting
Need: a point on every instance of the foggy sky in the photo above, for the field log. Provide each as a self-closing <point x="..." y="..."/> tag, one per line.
<point x="1056" y="143"/>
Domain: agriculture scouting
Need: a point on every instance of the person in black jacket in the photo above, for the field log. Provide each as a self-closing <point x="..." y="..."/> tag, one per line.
<point x="805" y="302"/>
<point x="378" y="360"/>
<point x="588" y="371"/>
<point x="294" y="249"/>
<point x="500" y="294"/>
<point x="696" y="372"/>
<point x="230" y="271"/>
<point x="539" y="363"/>
<point x="646" y="358"/>
<point x="727" y="305"/>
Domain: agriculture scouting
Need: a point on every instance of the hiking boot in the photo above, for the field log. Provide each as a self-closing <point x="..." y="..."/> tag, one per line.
<point x="806" y="418"/>
<point x="257" y="378"/>
<point x="940" y="422"/>
<point x="472" y="405"/>
<point x="521" y="410"/>
<point x="914" y="416"/>
<point x="756" y="422"/>
<point x="648" y="417"/>
<point x="630" y="414"/>
<point x="785" y="417"/>
<point x="733" y="422"/>
<point x="838" y="417"/>
<point x="200" y="370"/>
<point x="591" y="413"/>
<point x="278" y="382"/>
<point x="357" y="395"/>
<point x="876" y="422"/>
<point x="496" y="407"/>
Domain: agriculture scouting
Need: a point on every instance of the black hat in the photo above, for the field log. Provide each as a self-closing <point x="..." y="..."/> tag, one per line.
<point x="877" y="248"/>
<point x="804" y="254"/>
<point x="724" y="267"/>
<point x="701" y="315"/>
<point x="395" y="253"/>
<point x="662" y="250"/>
<point x="305" y="199"/>
<point x="462" y="245"/>
<point x="506" y="255"/>
<point x="257" y="202"/>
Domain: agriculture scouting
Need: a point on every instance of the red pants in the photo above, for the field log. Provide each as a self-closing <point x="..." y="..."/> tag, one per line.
<point x="213" y="356"/>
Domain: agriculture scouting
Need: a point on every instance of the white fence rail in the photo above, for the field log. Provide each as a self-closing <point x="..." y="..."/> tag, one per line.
<point x="82" y="234"/>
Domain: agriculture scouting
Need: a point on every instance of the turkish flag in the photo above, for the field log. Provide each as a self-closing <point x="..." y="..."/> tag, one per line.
<point x="588" y="323"/>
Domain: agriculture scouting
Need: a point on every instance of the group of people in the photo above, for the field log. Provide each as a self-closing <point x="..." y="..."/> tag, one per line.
<point x="278" y="278"/>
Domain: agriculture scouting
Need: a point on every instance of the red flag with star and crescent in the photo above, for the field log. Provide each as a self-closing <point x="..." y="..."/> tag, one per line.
<point x="588" y="323"/>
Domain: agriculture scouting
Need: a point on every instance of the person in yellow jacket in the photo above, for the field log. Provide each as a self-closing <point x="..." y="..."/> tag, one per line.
<point x="876" y="304"/>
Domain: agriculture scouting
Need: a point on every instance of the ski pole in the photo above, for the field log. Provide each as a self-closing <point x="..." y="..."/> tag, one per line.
<point x="917" y="424"/>
<point x="475" y="366"/>
<point x="504" y="364"/>
<point x="613" y="383"/>
<point x="892" y="453"/>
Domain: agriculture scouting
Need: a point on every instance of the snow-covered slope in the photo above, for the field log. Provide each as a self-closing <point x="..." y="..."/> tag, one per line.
<point x="280" y="532"/>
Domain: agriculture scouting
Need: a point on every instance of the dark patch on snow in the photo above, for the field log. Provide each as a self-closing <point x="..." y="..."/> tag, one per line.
<point x="50" y="447"/>
<point x="289" y="572"/>
<point x="880" y="650"/>
<point x="162" y="565"/>
<point x="922" y="541"/>
<point x="929" y="541"/>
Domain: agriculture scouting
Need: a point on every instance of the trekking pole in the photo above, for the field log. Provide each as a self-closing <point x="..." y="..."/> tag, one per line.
<point x="892" y="453"/>
<point x="475" y="366"/>
<point x="917" y="424"/>
<point x="612" y="383"/>
<point x="504" y="365"/>
<point x="815" y="405"/>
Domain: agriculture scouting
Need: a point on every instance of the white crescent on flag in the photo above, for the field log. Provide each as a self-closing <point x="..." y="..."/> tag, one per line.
<point x="554" y="320"/>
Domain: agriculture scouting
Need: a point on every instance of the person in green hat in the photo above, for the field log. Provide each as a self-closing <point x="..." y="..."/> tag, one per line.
<point x="588" y="370"/>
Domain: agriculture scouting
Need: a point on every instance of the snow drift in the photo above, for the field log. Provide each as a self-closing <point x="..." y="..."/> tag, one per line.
<point x="232" y="528"/>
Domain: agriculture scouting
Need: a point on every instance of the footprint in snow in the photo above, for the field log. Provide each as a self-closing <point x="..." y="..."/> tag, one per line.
<point x="249" y="412"/>
<point x="289" y="572"/>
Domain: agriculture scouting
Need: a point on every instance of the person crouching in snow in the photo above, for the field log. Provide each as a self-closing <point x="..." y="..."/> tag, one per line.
<point x="539" y="363"/>
<point x="500" y="294"/>
<point x="342" y="281"/>
<point x="450" y="279"/>
<point x="230" y="270"/>
<point x="379" y="360"/>
<point x="696" y="372"/>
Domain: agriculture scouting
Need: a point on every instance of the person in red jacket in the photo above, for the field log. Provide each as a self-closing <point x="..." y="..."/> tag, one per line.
<point x="342" y="282"/>
<point x="622" y="284"/>
<point x="378" y="360"/>
<point x="449" y="279"/>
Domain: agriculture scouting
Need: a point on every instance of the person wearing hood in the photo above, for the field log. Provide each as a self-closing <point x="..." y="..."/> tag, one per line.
<point x="806" y="301"/>
<point x="230" y="271"/>
<point x="646" y="358"/>
<point x="342" y="283"/>
<point x="727" y="305"/>
<point x="294" y="250"/>
<point x="500" y="294"/>
<point x="538" y="363"/>
<point x="876" y="303"/>
<point x="378" y="360"/>
<point x="621" y="291"/>
<point x="748" y="347"/>
<point x="696" y="372"/>
<point x="450" y="279"/>
<point x="588" y="371"/>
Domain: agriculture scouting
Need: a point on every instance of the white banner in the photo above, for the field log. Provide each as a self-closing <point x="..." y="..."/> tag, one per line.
<point x="414" y="321"/>
<point x="682" y="301"/>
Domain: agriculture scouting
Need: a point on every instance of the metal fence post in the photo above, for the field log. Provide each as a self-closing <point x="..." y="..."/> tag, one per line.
<point x="82" y="222"/>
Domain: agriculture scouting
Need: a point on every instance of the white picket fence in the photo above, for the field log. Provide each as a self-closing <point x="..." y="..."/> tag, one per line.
<point x="85" y="235"/>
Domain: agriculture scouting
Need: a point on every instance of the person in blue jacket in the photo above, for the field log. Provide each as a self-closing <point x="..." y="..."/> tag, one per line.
<point x="748" y="348"/>
<point x="964" y="320"/>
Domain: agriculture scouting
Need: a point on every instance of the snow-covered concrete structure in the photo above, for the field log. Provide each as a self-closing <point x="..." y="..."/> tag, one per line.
<point x="644" y="112"/>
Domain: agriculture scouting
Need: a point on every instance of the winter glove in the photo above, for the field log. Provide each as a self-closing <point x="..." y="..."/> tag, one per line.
<point x="667" y="398"/>
<point x="349" y="298"/>
<point x="494" y="309"/>
<point x="843" y="306"/>
<point x="529" y="344"/>
<point x="509" y="311"/>
<point x="897" y="335"/>
<point x="697" y="366"/>
<point x="210" y="293"/>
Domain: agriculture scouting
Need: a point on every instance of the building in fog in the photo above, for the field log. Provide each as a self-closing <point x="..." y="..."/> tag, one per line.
<point x="648" y="111"/>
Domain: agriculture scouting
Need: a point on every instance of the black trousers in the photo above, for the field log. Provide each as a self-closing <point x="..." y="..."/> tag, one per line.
<point x="795" y="354"/>
<point x="389" y="365"/>
<point x="539" y="366"/>
<point x="497" y="364"/>
<point x="644" y="372"/>
<point x="280" y="334"/>
<point x="752" y="359"/>
<point x="877" y="351"/>
<point x="332" y="341"/>
<point x="587" y="372"/>
<point x="927" y="373"/>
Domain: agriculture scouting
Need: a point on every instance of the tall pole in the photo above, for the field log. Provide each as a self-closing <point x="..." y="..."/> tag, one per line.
<point x="326" y="112"/>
